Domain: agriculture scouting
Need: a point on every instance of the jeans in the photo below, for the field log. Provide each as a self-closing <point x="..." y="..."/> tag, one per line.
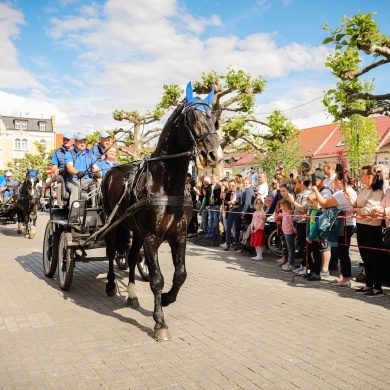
<point x="205" y="217"/>
<point x="290" y="240"/>
<point x="213" y="220"/>
<point x="233" y="219"/>
<point x="343" y="252"/>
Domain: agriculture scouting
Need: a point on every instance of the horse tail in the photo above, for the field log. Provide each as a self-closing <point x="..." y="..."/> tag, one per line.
<point x="122" y="239"/>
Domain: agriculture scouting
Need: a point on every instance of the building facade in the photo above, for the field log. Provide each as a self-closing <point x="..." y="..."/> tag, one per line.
<point x="18" y="136"/>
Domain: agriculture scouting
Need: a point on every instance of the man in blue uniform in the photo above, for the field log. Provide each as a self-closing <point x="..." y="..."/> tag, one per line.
<point x="7" y="186"/>
<point x="79" y="166"/>
<point x="58" y="163"/>
<point x="99" y="149"/>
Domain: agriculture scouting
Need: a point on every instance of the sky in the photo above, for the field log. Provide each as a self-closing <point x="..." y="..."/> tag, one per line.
<point x="80" y="60"/>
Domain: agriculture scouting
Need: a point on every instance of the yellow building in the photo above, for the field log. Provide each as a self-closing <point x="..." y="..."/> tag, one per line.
<point x="18" y="136"/>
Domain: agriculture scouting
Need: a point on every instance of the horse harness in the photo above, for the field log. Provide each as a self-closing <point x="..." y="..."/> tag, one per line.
<point x="143" y="166"/>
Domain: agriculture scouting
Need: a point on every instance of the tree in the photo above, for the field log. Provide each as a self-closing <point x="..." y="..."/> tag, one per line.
<point x="234" y="101"/>
<point x="138" y="137"/>
<point x="288" y="152"/>
<point x="40" y="161"/>
<point x="361" y="139"/>
<point x="357" y="40"/>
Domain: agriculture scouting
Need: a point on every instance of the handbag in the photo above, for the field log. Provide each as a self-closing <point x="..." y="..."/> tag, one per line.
<point x="386" y="238"/>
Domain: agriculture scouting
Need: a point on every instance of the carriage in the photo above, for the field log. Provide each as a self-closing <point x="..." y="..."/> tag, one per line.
<point x="69" y="236"/>
<point x="8" y="212"/>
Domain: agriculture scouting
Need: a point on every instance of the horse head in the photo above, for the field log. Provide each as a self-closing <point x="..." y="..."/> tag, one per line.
<point x="31" y="182"/>
<point x="202" y="124"/>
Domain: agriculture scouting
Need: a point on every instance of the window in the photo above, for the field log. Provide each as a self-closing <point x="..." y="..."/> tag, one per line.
<point x="43" y="142"/>
<point x="17" y="144"/>
<point x="24" y="125"/>
<point x="42" y="126"/>
<point x="24" y="144"/>
<point x="17" y="125"/>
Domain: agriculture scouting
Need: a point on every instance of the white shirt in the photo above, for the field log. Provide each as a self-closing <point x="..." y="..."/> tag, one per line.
<point x="263" y="190"/>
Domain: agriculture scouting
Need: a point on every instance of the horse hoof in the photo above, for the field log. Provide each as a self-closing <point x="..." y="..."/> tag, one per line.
<point x="111" y="292"/>
<point x="133" y="302"/>
<point x="19" y="232"/>
<point x="166" y="299"/>
<point x="162" y="334"/>
<point x="32" y="234"/>
<point x="26" y="236"/>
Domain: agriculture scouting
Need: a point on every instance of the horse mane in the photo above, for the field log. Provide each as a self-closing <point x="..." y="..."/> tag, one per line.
<point x="167" y="128"/>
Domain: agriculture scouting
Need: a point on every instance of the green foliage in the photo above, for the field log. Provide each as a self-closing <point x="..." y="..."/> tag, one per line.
<point x="41" y="161"/>
<point x="288" y="152"/>
<point x="356" y="37"/>
<point x="361" y="139"/>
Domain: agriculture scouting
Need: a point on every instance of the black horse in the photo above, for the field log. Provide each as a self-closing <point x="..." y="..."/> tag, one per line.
<point x="27" y="203"/>
<point x="148" y="198"/>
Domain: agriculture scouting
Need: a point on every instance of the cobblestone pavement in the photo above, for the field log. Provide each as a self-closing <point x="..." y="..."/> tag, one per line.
<point x="237" y="324"/>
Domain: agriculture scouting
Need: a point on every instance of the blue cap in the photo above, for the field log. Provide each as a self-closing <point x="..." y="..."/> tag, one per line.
<point x="104" y="134"/>
<point x="80" y="136"/>
<point x="68" y="135"/>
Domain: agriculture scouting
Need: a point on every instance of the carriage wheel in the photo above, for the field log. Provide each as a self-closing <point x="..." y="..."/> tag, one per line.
<point x="143" y="266"/>
<point x="50" y="250"/>
<point x="274" y="243"/>
<point x="65" y="262"/>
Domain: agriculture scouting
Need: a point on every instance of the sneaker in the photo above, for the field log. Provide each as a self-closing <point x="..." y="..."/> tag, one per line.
<point x="324" y="273"/>
<point x="361" y="290"/>
<point x="372" y="294"/>
<point x="343" y="284"/>
<point x="256" y="258"/>
<point x="314" y="278"/>
<point x="305" y="276"/>
<point x="303" y="272"/>
<point x="298" y="270"/>
<point x="287" y="267"/>
<point x="223" y="245"/>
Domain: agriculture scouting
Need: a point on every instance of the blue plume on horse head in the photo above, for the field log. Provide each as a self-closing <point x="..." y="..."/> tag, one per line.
<point x="33" y="173"/>
<point x="190" y="98"/>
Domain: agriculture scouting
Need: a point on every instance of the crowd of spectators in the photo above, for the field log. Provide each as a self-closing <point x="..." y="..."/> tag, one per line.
<point x="317" y="211"/>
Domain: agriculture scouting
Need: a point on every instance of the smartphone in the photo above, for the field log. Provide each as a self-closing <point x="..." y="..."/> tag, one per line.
<point x="313" y="179"/>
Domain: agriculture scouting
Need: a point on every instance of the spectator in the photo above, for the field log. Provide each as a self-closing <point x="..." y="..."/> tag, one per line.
<point x="288" y="233"/>
<point x="267" y="202"/>
<point x="262" y="186"/>
<point x="369" y="231"/>
<point x="213" y="204"/>
<point x="192" y="228"/>
<point x="257" y="229"/>
<point x="239" y="179"/>
<point x="233" y="218"/>
<point x="274" y="187"/>
<point x="315" y="245"/>
<point x="329" y="168"/>
<point x="339" y="200"/>
<point x="253" y="176"/>
<point x="301" y="206"/>
<point x="224" y="190"/>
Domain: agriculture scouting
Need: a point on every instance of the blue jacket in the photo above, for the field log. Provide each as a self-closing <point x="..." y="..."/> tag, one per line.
<point x="104" y="166"/>
<point x="81" y="161"/>
<point x="97" y="151"/>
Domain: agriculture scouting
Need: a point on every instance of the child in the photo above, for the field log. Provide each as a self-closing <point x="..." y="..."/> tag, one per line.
<point x="257" y="232"/>
<point x="288" y="232"/>
<point x="315" y="246"/>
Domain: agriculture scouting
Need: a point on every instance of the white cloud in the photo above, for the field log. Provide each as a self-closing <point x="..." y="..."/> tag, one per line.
<point x="13" y="75"/>
<point x="124" y="52"/>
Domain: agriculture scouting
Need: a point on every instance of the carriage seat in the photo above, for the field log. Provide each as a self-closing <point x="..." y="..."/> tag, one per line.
<point x="65" y="193"/>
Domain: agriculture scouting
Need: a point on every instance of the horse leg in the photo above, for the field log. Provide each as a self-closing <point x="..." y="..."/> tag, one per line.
<point x="132" y="259"/>
<point x="110" y="253"/>
<point x="20" y="218"/>
<point x="33" y="219"/>
<point x="156" y="281"/>
<point x="178" y="250"/>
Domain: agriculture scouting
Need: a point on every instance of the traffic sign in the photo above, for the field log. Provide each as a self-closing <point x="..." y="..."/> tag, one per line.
<point x="48" y="171"/>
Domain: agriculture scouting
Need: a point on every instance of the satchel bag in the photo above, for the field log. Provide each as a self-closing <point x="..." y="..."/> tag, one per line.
<point x="386" y="238"/>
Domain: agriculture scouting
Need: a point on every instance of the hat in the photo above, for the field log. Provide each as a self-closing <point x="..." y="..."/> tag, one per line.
<point x="104" y="134"/>
<point x="68" y="135"/>
<point x="320" y="175"/>
<point x="80" y="136"/>
<point x="225" y="179"/>
<point x="8" y="174"/>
